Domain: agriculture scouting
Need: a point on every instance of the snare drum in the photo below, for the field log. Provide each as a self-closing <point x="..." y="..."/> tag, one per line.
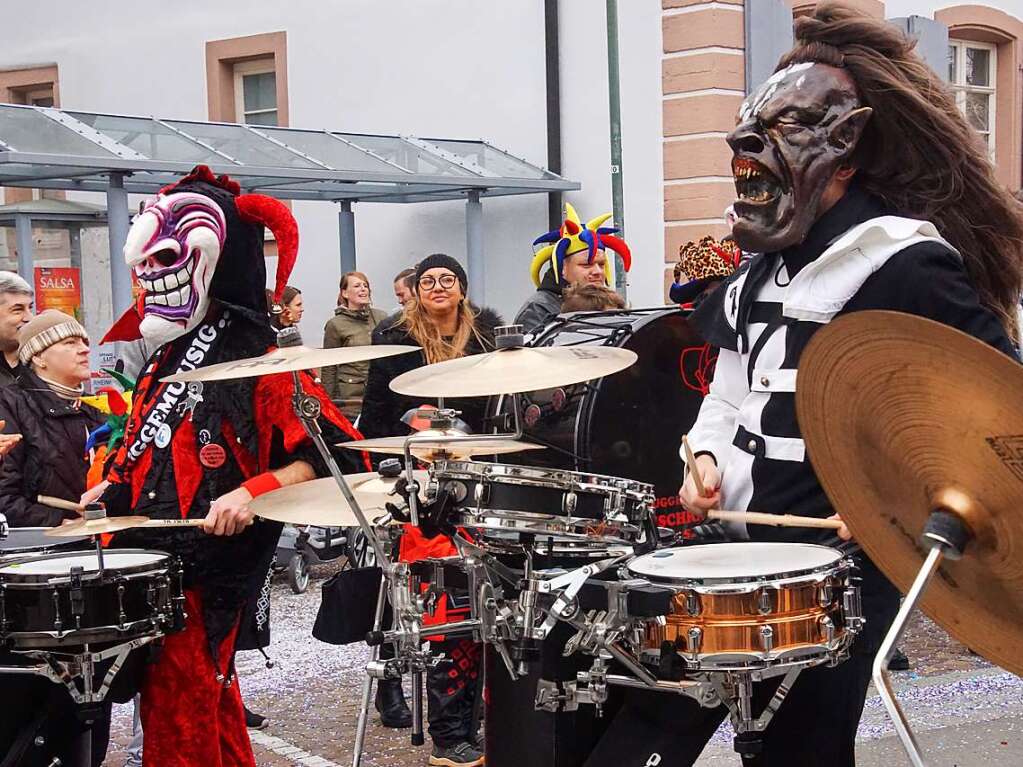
<point x="63" y="600"/>
<point x="748" y="606"/>
<point x="494" y="498"/>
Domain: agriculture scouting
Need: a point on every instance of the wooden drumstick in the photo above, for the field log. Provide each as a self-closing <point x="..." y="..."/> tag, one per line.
<point x="691" y="463"/>
<point x="774" y="520"/>
<point x="59" y="503"/>
<point x="172" y="523"/>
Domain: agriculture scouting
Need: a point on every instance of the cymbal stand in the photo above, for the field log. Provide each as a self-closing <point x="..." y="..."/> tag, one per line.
<point x="946" y="536"/>
<point x="367" y="682"/>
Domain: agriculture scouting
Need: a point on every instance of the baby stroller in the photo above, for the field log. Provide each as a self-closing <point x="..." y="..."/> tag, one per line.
<point x="300" y="547"/>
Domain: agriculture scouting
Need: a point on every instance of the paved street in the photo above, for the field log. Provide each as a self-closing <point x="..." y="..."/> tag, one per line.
<point x="966" y="713"/>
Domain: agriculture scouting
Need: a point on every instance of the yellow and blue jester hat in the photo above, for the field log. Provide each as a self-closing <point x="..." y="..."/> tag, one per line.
<point x="571" y="238"/>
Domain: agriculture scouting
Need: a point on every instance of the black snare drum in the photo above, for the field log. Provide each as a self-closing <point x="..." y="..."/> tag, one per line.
<point x="629" y="424"/>
<point x="26" y="541"/>
<point x="498" y="499"/>
<point x="63" y="600"/>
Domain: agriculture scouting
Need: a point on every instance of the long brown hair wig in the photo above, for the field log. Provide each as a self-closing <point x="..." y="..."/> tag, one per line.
<point x="918" y="153"/>
<point x="426" y="333"/>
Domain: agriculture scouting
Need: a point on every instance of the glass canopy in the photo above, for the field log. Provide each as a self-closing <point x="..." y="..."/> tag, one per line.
<point x="44" y="147"/>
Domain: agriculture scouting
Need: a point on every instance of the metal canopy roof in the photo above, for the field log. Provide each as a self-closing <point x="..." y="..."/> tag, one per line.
<point x="43" y="147"/>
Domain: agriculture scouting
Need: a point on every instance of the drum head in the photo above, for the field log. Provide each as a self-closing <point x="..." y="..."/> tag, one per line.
<point x="56" y="565"/>
<point x="733" y="562"/>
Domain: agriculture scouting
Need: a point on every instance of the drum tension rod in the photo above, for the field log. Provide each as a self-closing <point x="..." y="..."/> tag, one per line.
<point x="946" y="536"/>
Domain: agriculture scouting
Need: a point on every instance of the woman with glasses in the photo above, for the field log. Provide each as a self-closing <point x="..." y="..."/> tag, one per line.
<point x="441" y="321"/>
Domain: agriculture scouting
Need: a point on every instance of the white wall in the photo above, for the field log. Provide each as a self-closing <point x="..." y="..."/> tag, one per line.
<point x="451" y="68"/>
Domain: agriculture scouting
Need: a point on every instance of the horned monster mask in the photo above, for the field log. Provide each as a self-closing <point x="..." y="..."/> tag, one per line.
<point x="201" y="241"/>
<point x="794" y="133"/>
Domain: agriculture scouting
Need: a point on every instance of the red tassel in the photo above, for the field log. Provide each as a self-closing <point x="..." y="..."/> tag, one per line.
<point x="274" y="214"/>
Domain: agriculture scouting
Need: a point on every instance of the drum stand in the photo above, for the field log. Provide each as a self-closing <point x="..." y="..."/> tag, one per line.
<point x="946" y="536"/>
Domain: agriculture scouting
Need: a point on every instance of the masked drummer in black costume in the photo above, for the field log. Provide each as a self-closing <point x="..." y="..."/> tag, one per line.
<point x="862" y="187"/>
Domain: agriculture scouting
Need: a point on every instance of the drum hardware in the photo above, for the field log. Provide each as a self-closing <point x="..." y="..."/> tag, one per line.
<point x="4" y="528"/>
<point x="931" y="490"/>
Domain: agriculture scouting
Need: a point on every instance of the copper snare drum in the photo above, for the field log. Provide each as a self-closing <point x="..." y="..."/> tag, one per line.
<point x="748" y="606"/>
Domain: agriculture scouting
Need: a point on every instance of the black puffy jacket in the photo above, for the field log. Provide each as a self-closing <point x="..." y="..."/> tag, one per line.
<point x="382" y="408"/>
<point x="50" y="459"/>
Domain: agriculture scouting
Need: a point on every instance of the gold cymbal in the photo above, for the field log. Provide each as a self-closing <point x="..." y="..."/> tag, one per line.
<point x="289" y="359"/>
<point x="901" y="416"/>
<point x="428" y="449"/>
<point x="82" y="527"/>
<point x="319" y="502"/>
<point x="508" y="371"/>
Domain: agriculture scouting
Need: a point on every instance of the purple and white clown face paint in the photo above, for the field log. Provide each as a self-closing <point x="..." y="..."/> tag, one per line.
<point x="173" y="247"/>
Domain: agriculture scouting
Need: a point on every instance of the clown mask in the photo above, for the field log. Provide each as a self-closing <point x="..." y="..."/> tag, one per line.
<point x="173" y="248"/>
<point x="794" y="133"/>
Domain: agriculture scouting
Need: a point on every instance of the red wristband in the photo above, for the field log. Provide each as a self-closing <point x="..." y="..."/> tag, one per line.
<point x="261" y="483"/>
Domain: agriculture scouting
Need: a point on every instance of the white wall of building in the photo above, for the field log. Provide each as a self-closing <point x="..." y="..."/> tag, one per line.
<point x="451" y="68"/>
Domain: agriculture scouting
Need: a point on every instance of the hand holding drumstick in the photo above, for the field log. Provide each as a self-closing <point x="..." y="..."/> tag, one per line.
<point x="701" y="490"/>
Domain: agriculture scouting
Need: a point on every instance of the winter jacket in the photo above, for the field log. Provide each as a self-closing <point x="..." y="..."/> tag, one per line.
<point x="8" y="374"/>
<point x="50" y="459"/>
<point x="542" y="306"/>
<point x="382" y="408"/>
<point x="346" y="383"/>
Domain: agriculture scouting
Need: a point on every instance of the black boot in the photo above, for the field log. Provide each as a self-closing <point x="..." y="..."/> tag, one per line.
<point x="390" y="702"/>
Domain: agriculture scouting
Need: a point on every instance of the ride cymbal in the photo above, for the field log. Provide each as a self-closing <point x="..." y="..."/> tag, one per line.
<point x="82" y="527"/>
<point x="902" y="416"/>
<point x="509" y="371"/>
<point x="319" y="502"/>
<point x="289" y="359"/>
<point x="428" y="449"/>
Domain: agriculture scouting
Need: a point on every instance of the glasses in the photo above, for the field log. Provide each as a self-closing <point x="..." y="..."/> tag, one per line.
<point x="447" y="281"/>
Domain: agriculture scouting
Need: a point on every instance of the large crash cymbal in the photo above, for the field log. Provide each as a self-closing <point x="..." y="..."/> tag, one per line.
<point x="509" y="371"/>
<point x="902" y="416"/>
<point x="290" y="359"/>
<point x="319" y="502"/>
<point x="429" y="449"/>
<point x="100" y="526"/>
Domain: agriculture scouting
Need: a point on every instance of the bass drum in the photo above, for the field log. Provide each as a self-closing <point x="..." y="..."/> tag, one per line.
<point x="629" y="424"/>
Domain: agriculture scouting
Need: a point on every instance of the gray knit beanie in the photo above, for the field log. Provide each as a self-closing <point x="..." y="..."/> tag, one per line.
<point x="44" y="330"/>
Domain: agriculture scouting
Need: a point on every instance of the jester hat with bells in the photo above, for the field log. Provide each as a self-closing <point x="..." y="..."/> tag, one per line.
<point x="201" y="240"/>
<point x="571" y="238"/>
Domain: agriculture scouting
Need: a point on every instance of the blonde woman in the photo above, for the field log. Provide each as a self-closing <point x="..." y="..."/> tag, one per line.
<point x="353" y="324"/>
<point x="440" y="319"/>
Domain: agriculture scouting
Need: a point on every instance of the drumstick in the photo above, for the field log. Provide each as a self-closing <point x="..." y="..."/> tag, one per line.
<point x="775" y="520"/>
<point x="59" y="503"/>
<point x="172" y="523"/>
<point x="691" y="463"/>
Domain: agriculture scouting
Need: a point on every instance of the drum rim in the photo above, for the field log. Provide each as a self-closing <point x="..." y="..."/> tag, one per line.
<point x="514" y="523"/>
<point x="838" y="563"/>
<point x="535" y="476"/>
<point x="162" y="563"/>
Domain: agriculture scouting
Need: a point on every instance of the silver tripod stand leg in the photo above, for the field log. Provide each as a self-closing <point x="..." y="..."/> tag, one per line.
<point x="881" y="678"/>
<point x="367" y="683"/>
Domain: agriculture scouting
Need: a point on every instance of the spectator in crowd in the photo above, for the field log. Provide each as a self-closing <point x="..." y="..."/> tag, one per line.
<point x="441" y="321"/>
<point x="590" y="298"/>
<point x="701" y="267"/>
<point x="405" y="285"/>
<point x="44" y="405"/>
<point x="353" y="324"/>
<point x="574" y="254"/>
<point x="15" y="311"/>
<point x="289" y="311"/>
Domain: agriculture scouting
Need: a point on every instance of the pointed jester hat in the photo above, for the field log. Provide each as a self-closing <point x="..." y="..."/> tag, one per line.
<point x="571" y="238"/>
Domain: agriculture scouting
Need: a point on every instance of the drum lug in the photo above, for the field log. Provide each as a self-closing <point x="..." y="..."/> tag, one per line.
<point x="58" y="624"/>
<point x="481" y="494"/>
<point x="3" y="609"/>
<point x="852" y="609"/>
<point x="826" y="595"/>
<point x="828" y="627"/>
<point x="766" y="638"/>
<point x="693" y="607"/>
<point x="569" y="501"/>
<point x="121" y="617"/>
<point x="77" y="596"/>
<point x="765" y="603"/>
<point x="694" y="640"/>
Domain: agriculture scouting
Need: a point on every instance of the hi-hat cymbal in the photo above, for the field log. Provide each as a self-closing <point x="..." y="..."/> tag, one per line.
<point x="289" y="359"/>
<point x="319" y="502"/>
<point x="82" y="527"/>
<point x="901" y="416"/>
<point x="429" y="449"/>
<point x="509" y="371"/>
